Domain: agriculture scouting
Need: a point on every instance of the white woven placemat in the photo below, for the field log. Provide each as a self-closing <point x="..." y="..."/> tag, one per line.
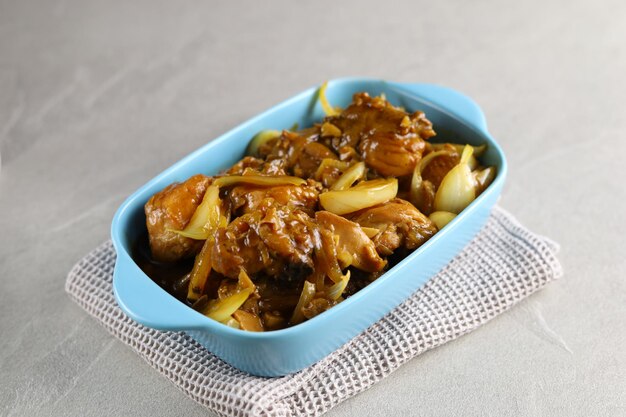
<point x="504" y="264"/>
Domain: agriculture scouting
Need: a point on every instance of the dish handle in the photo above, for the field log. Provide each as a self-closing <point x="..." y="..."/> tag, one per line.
<point x="462" y="106"/>
<point x="143" y="300"/>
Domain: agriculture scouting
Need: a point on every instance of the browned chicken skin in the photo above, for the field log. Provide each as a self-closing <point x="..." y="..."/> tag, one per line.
<point x="352" y="240"/>
<point x="274" y="240"/>
<point x="300" y="151"/>
<point x="172" y="208"/>
<point x="387" y="138"/>
<point x="247" y="198"/>
<point x="400" y="225"/>
<point x="252" y="165"/>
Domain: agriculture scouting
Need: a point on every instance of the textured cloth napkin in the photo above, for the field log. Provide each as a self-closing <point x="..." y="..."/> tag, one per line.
<point x="502" y="265"/>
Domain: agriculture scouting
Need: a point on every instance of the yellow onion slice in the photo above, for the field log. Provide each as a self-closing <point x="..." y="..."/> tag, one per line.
<point x="307" y="294"/>
<point x="326" y="260"/>
<point x="260" y="180"/>
<point x="244" y="280"/>
<point x="335" y="290"/>
<point x="329" y="129"/>
<point x="458" y="187"/>
<point x="260" y="139"/>
<point x="329" y="165"/>
<point x="206" y="219"/>
<point x="363" y="195"/>
<point x="328" y="109"/>
<point x="221" y="310"/>
<point x="441" y="218"/>
<point x="352" y="175"/>
<point x="200" y="272"/>
<point x="416" y="193"/>
<point x="370" y="231"/>
<point x="478" y="151"/>
<point x="248" y="321"/>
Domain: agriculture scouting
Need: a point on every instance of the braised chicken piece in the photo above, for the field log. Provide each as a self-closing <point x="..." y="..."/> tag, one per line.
<point x="247" y="198"/>
<point x="254" y="166"/>
<point x="274" y="240"/>
<point x="352" y="242"/>
<point x="300" y="151"/>
<point x="171" y="209"/>
<point x="400" y="225"/>
<point x="387" y="138"/>
<point x="246" y="164"/>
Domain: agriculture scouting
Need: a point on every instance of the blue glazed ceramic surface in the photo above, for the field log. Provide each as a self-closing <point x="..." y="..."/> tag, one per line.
<point x="455" y="117"/>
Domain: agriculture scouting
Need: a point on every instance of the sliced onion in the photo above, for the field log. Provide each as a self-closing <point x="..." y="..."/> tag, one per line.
<point x="352" y="175"/>
<point x="308" y="291"/>
<point x="370" y="231"/>
<point x="326" y="259"/>
<point x="232" y="322"/>
<point x="248" y="321"/>
<point x="206" y="218"/>
<point x="478" y="151"/>
<point x="261" y="180"/>
<point x="441" y="218"/>
<point x="328" y="109"/>
<point x="328" y="129"/>
<point x="363" y="195"/>
<point x="457" y="189"/>
<point x="335" y="291"/>
<point x="416" y="193"/>
<point x="221" y="310"/>
<point x="332" y="163"/>
<point x="244" y="280"/>
<point x="260" y="139"/>
<point x="200" y="272"/>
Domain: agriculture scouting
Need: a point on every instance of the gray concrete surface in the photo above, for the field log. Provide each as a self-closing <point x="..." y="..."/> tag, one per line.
<point x="96" y="97"/>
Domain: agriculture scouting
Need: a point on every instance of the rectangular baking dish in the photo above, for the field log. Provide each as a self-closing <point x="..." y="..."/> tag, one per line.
<point x="455" y="117"/>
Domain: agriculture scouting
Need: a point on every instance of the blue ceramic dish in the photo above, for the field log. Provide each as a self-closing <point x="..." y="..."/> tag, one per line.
<point x="455" y="117"/>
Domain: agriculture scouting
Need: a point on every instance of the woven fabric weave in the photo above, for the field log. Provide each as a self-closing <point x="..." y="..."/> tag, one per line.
<point x="502" y="265"/>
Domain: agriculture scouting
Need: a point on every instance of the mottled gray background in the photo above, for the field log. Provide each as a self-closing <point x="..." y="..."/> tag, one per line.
<point x="96" y="97"/>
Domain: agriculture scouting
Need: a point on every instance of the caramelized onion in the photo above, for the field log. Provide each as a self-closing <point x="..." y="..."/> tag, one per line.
<point x="200" y="272"/>
<point x="259" y="140"/>
<point x="221" y="310"/>
<point x="458" y="188"/>
<point x="335" y="290"/>
<point x="352" y="175"/>
<point x="308" y="291"/>
<point x="417" y="185"/>
<point x="363" y="195"/>
<point x="478" y="151"/>
<point x="441" y="218"/>
<point x="260" y="180"/>
<point x="206" y="218"/>
<point x="328" y="109"/>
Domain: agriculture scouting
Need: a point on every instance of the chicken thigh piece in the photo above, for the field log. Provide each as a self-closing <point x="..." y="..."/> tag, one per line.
<point x="401" y="225"/>
<point x="353" y="241"/>
<point x="388" y="139"/>
<point x="272" y="240"/>
<point x="172" y="209"/>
